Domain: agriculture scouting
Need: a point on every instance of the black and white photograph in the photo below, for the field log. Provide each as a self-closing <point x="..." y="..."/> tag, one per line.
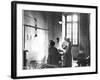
<point x="54" y="39"/>
<point x="46" y="47"/>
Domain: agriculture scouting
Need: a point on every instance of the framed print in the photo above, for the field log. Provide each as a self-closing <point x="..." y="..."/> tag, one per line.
<point x="53" y="39"/>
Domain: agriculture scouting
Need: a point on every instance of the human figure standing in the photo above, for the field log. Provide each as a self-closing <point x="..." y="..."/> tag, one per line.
<point x="53" y="57"/>
<point x="67" y="59"/>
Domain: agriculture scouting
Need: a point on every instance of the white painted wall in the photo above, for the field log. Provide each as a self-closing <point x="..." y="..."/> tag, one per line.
<point x="5" y="40"/>
<point x="37" y="46"/>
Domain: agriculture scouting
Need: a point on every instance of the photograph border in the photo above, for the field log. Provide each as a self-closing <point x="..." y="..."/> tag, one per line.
<point x="14" y="38"/>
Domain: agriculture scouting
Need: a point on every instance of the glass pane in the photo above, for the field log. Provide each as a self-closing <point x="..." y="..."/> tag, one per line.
<point x="75" y="33"/>
<point x="69" y="18"/>
<point x="69" y="30"/>
<point x="75" y="17"/>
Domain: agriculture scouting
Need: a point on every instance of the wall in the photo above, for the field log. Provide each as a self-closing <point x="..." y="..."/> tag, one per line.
<point x="56" y="27"/>
<point x="84" y="39"/>
<point x="84" y="33"/>
<point x="45" y="20"/>
<point x="36" y="45"/>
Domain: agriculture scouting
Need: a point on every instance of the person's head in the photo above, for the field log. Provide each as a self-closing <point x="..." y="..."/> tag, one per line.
<point x="52" y="43"/>
<point x="57" y="39"/>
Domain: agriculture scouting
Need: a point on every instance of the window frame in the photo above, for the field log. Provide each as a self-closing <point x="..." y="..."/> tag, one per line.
<point x="78" y="23"/>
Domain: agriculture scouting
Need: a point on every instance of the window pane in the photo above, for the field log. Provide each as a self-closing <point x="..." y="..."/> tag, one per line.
<point x="72" y="28"/>
<point x="75" y="17"/>
<point x="69" y="18"/>
<point x="69" y="30"/>
<point x="75" y="33"/>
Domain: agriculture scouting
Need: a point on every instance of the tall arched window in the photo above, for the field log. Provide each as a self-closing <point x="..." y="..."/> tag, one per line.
<point x="72" y="27"/>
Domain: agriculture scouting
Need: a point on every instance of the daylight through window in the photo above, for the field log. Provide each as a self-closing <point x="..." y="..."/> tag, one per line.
<point x="72" y="22"/>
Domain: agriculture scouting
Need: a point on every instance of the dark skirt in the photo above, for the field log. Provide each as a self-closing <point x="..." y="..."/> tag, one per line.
<point x="68" y="59"/>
